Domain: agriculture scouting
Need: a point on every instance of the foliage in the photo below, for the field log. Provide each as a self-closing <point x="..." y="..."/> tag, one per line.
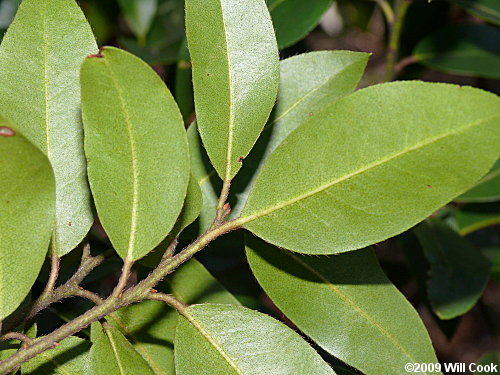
<point x="314" y="170"/>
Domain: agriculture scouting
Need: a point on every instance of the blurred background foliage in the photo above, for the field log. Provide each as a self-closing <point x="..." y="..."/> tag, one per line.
<point x="449" y="266"/>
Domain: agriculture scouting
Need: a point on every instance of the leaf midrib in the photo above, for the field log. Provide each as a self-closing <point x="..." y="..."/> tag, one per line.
<point x="113" y="347"/>
<point x="353" y="304"/>
<point x="135" y="173"/>
<point x="266" y="211"/>
<point x="212" y="341"/>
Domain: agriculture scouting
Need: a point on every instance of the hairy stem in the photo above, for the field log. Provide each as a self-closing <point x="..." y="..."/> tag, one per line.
<point x="135" y="294"/>
<point x="396" y="28"/>
<point x="17" y="336"/>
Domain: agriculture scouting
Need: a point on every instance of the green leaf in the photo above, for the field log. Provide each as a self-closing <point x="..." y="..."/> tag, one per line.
<point x="372" y="165"/>
<point x="8" y="9"/>
<point x="139" y="15"/>
<point x="294" y="19"/>
<point x="327" y="76"/>
<point x="486" y="190"/>
<point x="472" y="217"/>
<point x="227" y="339"/>
<point x="488" y="10"/>
<point x="40" y="59"/>
<point x="236" y="82"/>
<point x="191" y="209"/>
<point x="462" y="49"/>
<point x="111" y="353"/>
<point x="459" y="272"/>
<point x="346" y="304"/>
<point x="69" y="357"/>
<point x="136" y="148"/>
<point x="150" y="325"/>
<point x="27" y="211"/>
<point x="184" y="95"/>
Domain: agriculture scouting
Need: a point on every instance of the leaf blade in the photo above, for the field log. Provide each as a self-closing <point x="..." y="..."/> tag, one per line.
<point x="46" y="106"/>
<point x="351" y="290"/>
<point x="360" y="188"/>
<point x="27" y="211"/>
<point x="151" y="184"/>
<point x="235" y="86"/>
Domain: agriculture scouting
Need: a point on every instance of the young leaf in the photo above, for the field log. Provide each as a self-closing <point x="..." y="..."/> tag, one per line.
<point x="372" y="165"/>
<point x="150" y="325"/>
<point x="69" y="357"/>
<point x="27" y="211"/>
<point x="462" y="49"/>
<point x="327" y="77"/>
<point x="235" y="84"/>
<point x="227" y="339"/>
<point x="486" y="190"/>
<point x="459" y="272"/>
<point x="136" y="148"/>
<point x="139" y="15"/>
<point x="40" y="59"/>
<point x="346" y="304"/>
<point x="111" y="353"/>
<point x="294" y="19"/>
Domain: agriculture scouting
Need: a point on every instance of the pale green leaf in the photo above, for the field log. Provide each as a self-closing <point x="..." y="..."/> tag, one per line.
<point x="136" y="146"/>
<point x="308" y="83"/>
<point x="139" y="15"/>
<point x="68" y="358"/>
<point x="150" y="325"/>
<point x="27" y="211"/>
<point x="235" y="74"/>
<point x="346" y="304"/>
<point x="372" y="165"/>
<point x="486" y="190"/>
<point x="227" y="339"/>
<point x="40" y="59"/>
<point x="294" y="19"/>
<point x="458" y="271"/>
<point x="111" y="353"/>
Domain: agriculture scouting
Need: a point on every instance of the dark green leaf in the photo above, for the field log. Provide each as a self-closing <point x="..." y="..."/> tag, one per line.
<point x="488" y="10"/>
<point x="69" y="357"/>
<point x="136" y="148"/>
<point x="372" y="165"/>
<point x="40" y="60"/>
<point x="472" y="217"/>
<point x="184" y="95"/>
<point x="458" y="272"/>
<point x="294" y="19"/>
<point x="462" y="49"/>
<point x="228" y="339"/>
<point x="27" y="212"/>
<point x="486" y="190"/>
<point x="8" y="9"/>
<point x="346" y="304"/>
<point x="235" y="74"/>
<point x="111" y="353"/>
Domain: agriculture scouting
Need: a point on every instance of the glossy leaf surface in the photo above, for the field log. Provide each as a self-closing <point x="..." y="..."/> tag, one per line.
<point x="235" y="85"/>
<point x="486" y="190"/>
<point x="111" y="353"/>
<point x="40" y="59"/>
<point x="139" y="15"/>
<point x="308" y="83"/>
<point x="70" y="357"/>
<point x="27" y="212"/>
<point x="373" y="165"/>
<point x="459" y="272"/>
<point x="294" y="19"/>
<point x="136" y="148"/>
<point x="150" y="325"/>
<point x="227" y="339"/>
<point x="463" y="49"/>
<point x="346" y="304"/>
